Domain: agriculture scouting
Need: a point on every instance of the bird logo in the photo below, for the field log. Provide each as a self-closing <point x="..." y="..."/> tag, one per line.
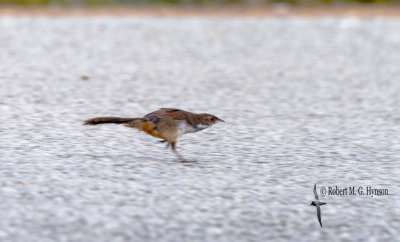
<point x="317" y="203"/>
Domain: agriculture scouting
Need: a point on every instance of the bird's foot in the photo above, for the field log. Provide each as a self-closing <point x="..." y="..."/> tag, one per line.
<point x="186" y="161"/>
<point x="181" y="158"/>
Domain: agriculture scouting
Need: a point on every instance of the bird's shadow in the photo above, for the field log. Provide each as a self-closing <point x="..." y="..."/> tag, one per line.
<point x="129" y="158"/>
<point x="185" y="161"/>
<point x="190" y="163"/>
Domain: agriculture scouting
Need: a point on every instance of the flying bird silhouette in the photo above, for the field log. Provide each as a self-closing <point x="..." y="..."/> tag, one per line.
<point x="317" y="204"/>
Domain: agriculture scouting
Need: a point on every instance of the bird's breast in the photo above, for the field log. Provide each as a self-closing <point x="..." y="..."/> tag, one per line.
<point x="184" y="128"/>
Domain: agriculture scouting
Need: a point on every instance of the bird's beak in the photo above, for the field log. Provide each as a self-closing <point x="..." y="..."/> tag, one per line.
<point x="220" y="120"/>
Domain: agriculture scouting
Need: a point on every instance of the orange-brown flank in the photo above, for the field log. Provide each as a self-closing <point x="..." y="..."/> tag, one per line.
<point x="148" y="127"/>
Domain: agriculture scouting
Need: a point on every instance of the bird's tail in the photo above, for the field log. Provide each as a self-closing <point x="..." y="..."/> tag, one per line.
<point x="139" y="123"/>
<point x="109" y="120"/>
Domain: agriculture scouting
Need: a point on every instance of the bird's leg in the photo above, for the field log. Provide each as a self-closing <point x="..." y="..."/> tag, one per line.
<point x="163" y="141"/>
<point x="180" y="157"/>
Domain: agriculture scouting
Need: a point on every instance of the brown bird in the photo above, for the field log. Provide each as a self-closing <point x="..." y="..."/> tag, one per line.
<point x="166" y="123"/>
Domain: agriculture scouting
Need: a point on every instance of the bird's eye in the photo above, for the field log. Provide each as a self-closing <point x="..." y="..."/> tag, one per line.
<point x="212" y="119"/>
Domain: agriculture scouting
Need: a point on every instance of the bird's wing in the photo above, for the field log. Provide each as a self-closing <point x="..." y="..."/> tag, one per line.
<point x="319" y="215"/>
<point x="168" y="113"/>
<point x="315" y="192"/>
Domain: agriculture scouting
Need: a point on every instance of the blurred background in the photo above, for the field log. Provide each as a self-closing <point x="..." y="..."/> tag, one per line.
<point x="193" y="2"/>
<point x="306" y="100"/>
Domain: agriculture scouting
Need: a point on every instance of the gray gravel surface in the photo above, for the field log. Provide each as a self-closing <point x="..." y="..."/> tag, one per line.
<point x="306" y="100"/>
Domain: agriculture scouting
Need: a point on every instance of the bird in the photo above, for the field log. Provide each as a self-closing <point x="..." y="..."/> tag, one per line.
<point x="317" y="204"/>
<point x="167" y="124"/>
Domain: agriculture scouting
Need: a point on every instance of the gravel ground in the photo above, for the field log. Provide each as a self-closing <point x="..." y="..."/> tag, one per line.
<point x="306" y="100"/>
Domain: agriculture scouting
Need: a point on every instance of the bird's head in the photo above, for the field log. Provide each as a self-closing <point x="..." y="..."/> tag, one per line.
<point x="207" y="120"/>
